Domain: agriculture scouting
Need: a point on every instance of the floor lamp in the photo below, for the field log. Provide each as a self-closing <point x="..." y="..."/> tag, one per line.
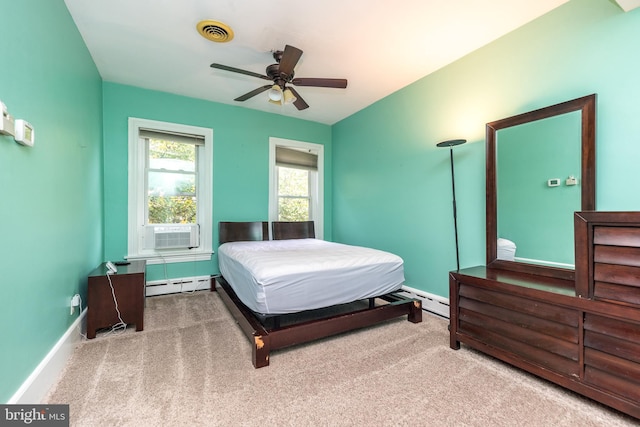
<point x="452" y="143"/>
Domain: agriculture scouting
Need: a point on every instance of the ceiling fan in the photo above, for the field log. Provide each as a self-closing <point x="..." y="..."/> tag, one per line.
<point x="282" y="75"/>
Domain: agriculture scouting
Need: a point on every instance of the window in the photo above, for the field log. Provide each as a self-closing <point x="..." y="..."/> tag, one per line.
<point x="295" y="190"/>
<point x="170" y="201"/>
<point x="294" y="200"/>
<point x="171" y="172"/>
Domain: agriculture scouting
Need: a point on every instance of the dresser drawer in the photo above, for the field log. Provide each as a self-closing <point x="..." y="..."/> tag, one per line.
<point x="612" y="355"/>
<point x="616" y="264"/>
<point x="539" y="332"/>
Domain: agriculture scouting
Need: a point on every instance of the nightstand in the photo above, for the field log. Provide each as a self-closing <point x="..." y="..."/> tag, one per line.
<point x="129" y="288"/>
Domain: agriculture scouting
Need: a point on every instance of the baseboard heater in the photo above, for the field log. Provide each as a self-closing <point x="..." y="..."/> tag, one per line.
<point x="432" y="303"/>
<point x="177" y="285"/>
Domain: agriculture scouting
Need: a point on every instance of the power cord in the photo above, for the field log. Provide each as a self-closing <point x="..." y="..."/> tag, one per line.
<point x="121" y="326"/>
<point x="195" y="282"/>
<point x="166" y="276"/>
<point x="169" y="282"/>
<point x="164" y="264"/>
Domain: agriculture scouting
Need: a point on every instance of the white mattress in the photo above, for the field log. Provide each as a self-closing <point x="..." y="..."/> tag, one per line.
<point x="288" y="276"/>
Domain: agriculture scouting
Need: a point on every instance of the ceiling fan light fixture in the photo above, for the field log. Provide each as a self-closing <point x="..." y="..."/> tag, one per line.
<point x="280" y="74"/>
<point x="275" y="93"/>
<point x="289" y="97"/>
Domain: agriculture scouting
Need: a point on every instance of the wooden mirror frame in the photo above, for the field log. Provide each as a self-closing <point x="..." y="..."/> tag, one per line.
<point x="587" y="106"/>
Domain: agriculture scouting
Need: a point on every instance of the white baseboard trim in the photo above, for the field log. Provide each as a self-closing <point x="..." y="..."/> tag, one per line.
<point x="177" y="285"/>
<point x="430" y="302"/>
<point x="37" y="385"/>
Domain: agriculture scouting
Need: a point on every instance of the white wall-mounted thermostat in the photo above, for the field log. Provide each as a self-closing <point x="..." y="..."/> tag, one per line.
<point x="553" y="182"/>
<point x="6" y="121"/>
<point x="25" y="134"/>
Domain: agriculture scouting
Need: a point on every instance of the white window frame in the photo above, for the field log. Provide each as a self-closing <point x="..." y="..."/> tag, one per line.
<point x="316" y="184"/>
<point x="137" y="197"/>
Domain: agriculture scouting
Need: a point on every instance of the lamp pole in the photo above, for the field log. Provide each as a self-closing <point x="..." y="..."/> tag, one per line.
<point x="452" y="143"/>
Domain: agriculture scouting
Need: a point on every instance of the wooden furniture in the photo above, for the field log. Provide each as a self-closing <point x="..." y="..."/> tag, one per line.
<point x="527" y="320"/>
<point x="608" y="275"/>
<point x="129" y="289"/>
<point x="584" y="334"/>
<point x="240" y="231"/>
<point x="292" y="230"/>
<point x="577" y="328"/>
<point x="267" y="334"/>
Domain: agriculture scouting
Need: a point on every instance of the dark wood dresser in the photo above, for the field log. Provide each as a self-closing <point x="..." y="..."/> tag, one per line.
<point x="583" y="334"/>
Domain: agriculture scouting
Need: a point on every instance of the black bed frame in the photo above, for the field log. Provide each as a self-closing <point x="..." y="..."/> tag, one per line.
<point x="264" y="339"/>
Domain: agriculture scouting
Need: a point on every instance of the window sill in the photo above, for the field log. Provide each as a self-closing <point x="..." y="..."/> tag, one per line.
<point x="172" y="257"/>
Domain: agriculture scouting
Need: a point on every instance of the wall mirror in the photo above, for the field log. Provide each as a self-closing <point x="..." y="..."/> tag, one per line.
<point x="540" y="170"/>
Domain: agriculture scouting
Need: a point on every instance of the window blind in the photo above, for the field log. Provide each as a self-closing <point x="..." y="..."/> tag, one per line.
<point x="292" y="158"/>
<point x="184" y="138"/>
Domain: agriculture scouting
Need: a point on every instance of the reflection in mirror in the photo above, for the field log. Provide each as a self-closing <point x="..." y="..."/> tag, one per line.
<point x="534" y="162"/>
<point x="527" y="155"/>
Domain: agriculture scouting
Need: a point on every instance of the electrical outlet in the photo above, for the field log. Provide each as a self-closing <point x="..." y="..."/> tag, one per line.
<point x="75" y="302"/>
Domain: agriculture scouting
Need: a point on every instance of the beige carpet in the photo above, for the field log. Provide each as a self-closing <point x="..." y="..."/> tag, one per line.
<point x="191" y="366"/>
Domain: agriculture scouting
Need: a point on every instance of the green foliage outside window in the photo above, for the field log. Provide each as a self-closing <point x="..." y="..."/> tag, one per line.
<point x="293" y="210"/>
<point x="171" y="188"/>
<point x="172" y="210"/>
<point x="293" y="192"/>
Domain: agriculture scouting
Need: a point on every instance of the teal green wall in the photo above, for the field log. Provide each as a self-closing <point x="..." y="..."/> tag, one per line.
<point x="240" y="161"/>
<point x="386" y="184"/>
<point x="51" y="216"/>
<point x="392" y="185"/>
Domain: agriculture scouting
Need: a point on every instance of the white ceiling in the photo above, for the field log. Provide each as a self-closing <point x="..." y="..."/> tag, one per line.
<point x="380" y="46"/>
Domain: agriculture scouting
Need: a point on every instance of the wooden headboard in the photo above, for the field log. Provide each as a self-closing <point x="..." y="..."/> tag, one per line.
<point x="293" y="230"/>
<point x="243" y="231"/>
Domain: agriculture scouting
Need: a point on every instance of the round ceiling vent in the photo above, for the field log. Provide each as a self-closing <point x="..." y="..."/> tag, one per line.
<point x="215" y="31"/>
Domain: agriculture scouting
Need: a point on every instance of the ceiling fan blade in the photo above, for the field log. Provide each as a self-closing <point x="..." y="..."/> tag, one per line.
<point x="238" y="70"/>
<point x="299" y="103"/>
<point x="253" y="93"/>
<point x="334" y="83"/>
<point x="290" y="58"/>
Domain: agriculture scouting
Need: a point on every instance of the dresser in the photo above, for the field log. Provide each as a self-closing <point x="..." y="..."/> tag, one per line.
<point x="581" y="333"/>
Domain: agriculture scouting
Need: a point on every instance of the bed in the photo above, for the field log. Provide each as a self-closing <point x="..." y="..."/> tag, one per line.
<point x="295" y="288"/>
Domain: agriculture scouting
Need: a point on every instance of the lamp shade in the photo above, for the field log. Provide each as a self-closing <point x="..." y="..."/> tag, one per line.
<point x="289" y="97"/>
<point x="451" y="143"/>
<point x="275" y="93"/>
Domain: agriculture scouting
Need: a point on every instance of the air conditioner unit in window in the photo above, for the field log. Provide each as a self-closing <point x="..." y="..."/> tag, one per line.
<point x="173" y="236"/>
